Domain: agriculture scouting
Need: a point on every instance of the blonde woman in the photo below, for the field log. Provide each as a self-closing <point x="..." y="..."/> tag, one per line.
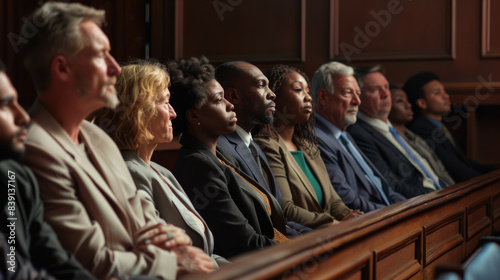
<point x="141" y="122"/>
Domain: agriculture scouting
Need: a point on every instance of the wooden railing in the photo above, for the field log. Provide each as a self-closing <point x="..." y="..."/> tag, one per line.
<point x="406" y="240"/>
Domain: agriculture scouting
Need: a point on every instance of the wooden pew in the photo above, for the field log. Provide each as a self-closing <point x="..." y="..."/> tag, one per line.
<point x="402" y="241"/>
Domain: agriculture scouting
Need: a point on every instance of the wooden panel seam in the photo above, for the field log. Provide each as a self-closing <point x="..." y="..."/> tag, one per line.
<point x="432" y="253"/>
<point x="479" y="225"/>
<point x="486" y="51"/>
<point x="411" y="268"/>
<point x="360" y="263"/>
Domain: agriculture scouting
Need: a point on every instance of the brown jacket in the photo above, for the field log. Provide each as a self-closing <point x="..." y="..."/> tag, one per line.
<point x="300" y="202"/>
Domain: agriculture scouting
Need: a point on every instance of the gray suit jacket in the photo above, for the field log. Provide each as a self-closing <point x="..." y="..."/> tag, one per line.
<point x="92" y="202"/>
<point x="149" y="182"/>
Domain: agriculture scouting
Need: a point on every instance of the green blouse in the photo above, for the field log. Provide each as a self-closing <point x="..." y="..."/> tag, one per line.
<point x="301" y="161"/>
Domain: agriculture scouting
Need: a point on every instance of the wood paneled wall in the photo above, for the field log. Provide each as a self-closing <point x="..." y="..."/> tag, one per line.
<point x="125" y="27"/>
<point x="457" y="39"/>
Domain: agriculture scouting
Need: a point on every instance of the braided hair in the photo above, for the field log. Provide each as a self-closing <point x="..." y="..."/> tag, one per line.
<point x="303" y="132"/>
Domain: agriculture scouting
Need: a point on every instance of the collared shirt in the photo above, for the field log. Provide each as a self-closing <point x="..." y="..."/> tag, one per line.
<point x="435" y="122"/>
<point x="333" y="128"/>
<point x="383" y="128"/>
<point x="424" y="150"/>
<point x="245" y="136"/>
<point x="337" y="133"/>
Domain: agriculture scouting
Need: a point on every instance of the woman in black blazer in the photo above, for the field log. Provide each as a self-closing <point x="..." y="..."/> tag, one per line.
<point x="240" y="212"/>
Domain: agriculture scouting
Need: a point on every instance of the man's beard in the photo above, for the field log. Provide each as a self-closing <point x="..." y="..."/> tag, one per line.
<point x="110" y="96"/>
<point x="265" y="119"/>
<point x="8" y="151"/>
<point x="349" y="119"/>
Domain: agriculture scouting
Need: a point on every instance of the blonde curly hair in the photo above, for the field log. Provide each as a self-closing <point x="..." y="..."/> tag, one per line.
<point x="139" y="87"/>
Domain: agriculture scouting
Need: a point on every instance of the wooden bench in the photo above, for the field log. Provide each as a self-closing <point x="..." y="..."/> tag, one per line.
<point x="406" y="240"/>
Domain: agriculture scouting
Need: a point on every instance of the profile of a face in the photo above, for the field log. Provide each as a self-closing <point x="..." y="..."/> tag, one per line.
<point x="13" y="121"/>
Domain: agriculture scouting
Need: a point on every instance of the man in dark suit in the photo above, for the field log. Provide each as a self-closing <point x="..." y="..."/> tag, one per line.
<point x="405" y="170"/>
<point x="246" y="87"/>
<point x="336" y="94"/>
<point x="430" y="102"/>
<point x="30" y="248"/>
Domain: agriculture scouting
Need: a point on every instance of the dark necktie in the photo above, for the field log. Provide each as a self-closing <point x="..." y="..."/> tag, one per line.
<point x="413" y="157"/>
<point x="448" y="135"/>
<point x="364" y="165"/>
<point x="255" y="154"/>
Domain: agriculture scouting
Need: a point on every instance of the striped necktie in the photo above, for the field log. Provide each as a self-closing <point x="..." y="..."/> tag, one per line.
<point x="364" y="165"/>
<point x="413" y="157"/>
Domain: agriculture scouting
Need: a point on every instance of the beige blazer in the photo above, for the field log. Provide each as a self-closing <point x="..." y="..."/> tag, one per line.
<point x="91" y="201"/>
<point x="300" y="203"/>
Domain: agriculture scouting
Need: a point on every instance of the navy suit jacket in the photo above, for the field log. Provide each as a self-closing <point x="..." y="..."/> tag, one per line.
<point x="234" y="145"/>
<point x="346" y="175"/>
<point x="402" y="176"/>
<point x="459" y="167"/>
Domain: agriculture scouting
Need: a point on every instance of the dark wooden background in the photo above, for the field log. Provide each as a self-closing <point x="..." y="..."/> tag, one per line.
<point x="457" y="39"/>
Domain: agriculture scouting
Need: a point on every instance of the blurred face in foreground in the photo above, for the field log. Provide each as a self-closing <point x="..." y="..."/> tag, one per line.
<point x="13" y="121"/>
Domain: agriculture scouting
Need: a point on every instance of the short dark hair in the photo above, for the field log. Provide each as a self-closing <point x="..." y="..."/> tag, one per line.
<point x="227" y="73"/>
<point x="187" y="78"/>
<point x="414" y="87"/>
<point x="362" y="71"/>
<point x="2" y="66"/>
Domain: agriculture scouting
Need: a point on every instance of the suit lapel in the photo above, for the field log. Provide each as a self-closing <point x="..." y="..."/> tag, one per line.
<point x="298" y="172"/>
<point x="276" y="217"/>
<point x="347" y="157"/>
<point x="63" y="139"/>
<point x="45" y="119"/>
<point x="179" y="193"/>
<point x="323" y="179"/>
<point x="246" y="157"/>
<point x="381" y="139"/>
<point x="361" y="174"/>
<point x="106" y="178"/>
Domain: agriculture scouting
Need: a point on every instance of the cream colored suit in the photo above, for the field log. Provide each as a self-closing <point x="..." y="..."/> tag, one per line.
<point x="91" y="201"/>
